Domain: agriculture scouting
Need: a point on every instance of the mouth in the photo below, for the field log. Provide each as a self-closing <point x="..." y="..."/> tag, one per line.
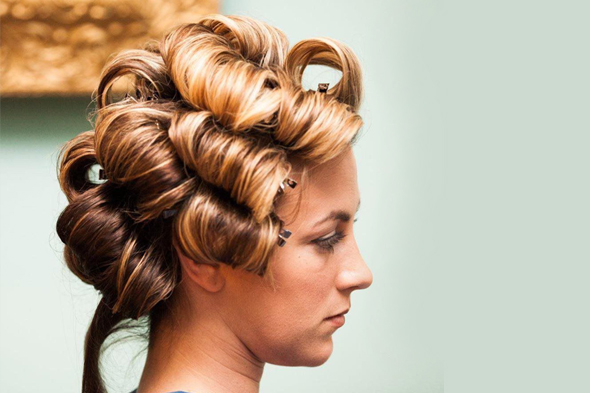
<point x="337" y="320"/>
<point x="339" y="315"/>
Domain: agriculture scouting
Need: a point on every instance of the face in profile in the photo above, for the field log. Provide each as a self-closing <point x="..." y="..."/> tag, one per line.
<point x="316" y="272"/>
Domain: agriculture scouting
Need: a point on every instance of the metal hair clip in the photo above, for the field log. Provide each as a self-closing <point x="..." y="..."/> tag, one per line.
<point x="155" y="96"/>
<point x="101" y="174"/>
<point x="290" y="182"/>
<point x="169" y="213"/>
<point x="323" y="87"/>
<point x="283" y="235"/>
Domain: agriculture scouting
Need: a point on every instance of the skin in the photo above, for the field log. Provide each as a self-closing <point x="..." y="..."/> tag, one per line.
<point x="233" y="323"/>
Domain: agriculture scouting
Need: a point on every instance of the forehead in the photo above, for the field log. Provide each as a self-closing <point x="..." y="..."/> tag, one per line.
<point x="331" y="185"/>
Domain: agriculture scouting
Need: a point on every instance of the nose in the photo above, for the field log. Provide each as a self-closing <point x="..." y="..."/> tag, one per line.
<point x="355" y="273"/>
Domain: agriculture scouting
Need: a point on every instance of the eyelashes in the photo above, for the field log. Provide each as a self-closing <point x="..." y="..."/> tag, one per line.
<point x="327" y="244"/>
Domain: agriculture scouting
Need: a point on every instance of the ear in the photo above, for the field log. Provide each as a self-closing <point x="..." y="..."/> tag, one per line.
<point x="207" y="276"/>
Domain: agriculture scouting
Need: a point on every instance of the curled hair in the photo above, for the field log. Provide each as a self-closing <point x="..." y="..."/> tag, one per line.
<point x="218" y="117"/>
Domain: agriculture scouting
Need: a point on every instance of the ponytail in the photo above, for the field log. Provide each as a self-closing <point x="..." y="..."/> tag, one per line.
<point x="103" y="324"/>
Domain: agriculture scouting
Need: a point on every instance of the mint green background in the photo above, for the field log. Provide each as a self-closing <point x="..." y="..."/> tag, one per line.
<point x="473" y="170"/>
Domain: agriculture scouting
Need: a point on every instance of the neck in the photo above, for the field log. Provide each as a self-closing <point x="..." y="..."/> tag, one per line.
<point x="199" y="354"/>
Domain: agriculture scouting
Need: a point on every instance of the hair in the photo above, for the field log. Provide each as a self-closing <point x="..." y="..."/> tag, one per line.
<point x="218" y="118"/>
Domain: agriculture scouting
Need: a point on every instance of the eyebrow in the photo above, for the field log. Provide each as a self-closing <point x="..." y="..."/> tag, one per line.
<point x="339" y="215"/>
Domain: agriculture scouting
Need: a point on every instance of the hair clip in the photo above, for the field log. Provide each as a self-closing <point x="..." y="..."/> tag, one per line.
<point x="101" y="174"/>
<point x="147" y="97"/>
<point x="154" y="96"/>
<point x="323" y="87"/>
<point x="283" y="236"/>
<point x="168" y="213"/>
<point x="290" y="182"/>
<point x="129" y="97"/>
<point x="158" y="125"/>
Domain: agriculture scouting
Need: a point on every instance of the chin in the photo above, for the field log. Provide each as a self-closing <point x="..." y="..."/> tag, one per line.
<point x="297" y="355"/>
<point x="315" y="356"/>
<point x="317" y="361"/>
<point x="322" y="355"/>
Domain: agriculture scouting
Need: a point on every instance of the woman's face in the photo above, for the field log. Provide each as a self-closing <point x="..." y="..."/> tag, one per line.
<point x="315" y="273"/>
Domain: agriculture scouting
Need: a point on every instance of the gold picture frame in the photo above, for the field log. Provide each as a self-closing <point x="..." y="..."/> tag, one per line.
<point x="59" y="47"/>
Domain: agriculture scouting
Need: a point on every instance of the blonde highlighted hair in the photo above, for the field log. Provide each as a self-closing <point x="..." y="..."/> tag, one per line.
<point x="218" y="119"/>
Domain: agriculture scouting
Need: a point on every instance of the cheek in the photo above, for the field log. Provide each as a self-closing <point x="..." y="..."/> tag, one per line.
<point x="285" y="326"/>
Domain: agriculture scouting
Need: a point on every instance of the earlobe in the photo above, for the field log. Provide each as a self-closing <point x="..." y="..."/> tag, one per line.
<point x="208" y="276"/>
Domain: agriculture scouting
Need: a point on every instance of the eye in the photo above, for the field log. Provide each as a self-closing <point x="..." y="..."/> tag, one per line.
<point x="328" y="243"/>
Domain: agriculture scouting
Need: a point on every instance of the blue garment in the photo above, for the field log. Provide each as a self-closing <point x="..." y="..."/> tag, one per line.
<point x="178" y="391"/>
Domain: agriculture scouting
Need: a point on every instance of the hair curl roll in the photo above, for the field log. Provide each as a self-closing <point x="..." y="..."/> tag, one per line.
<point x="229" y="115"/>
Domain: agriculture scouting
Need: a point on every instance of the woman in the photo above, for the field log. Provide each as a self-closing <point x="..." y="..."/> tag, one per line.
<point x="224" y="212"/>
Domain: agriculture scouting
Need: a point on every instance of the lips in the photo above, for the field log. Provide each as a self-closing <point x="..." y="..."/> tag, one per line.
<point x="337" y="315"/>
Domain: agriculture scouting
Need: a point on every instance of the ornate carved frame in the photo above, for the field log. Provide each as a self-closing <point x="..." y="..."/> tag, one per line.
<point x="59" y="47"/>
